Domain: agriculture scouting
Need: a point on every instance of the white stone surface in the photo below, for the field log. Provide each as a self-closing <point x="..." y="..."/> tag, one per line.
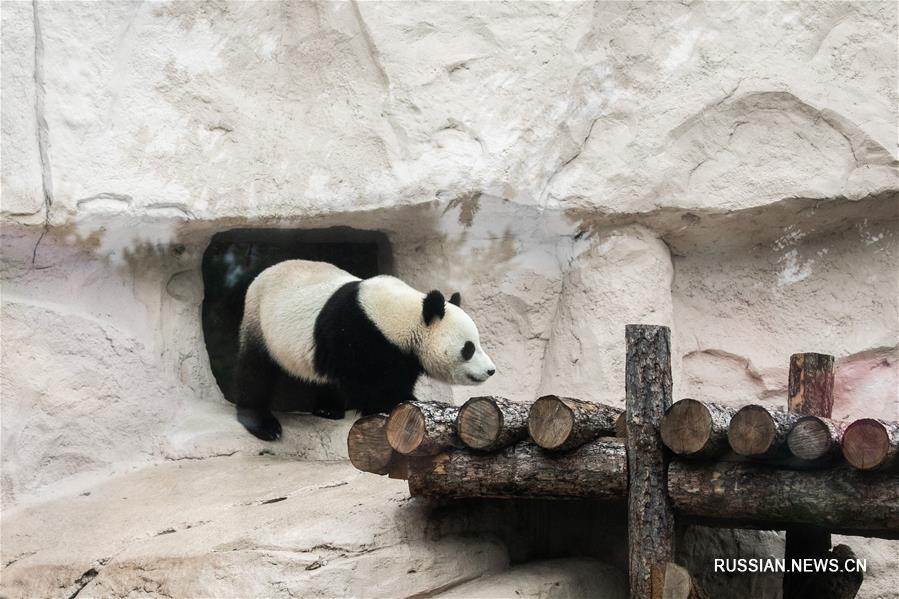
<point x="239" y="526"/>
<point x="729" y="169"/>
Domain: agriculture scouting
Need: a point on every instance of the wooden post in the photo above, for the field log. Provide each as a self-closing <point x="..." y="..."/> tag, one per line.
<point x="692" y="428"/>
<point x="810" y="388"/>
<point x="650" y="518"/>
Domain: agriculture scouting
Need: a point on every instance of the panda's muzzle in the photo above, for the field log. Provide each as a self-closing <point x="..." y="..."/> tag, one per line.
<point x="477" y="380"/>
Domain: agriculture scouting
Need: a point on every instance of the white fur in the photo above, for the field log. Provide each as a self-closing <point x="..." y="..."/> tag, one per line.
<point x="281" y="306"/>
<point x="283" y="302"/>
<point x="396" y="309"/>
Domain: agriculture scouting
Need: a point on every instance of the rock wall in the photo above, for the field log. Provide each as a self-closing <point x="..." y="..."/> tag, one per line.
<point x="728" y="169"/>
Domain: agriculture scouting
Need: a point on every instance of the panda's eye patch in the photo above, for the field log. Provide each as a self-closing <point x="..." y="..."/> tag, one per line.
<point x="467" y="350"/>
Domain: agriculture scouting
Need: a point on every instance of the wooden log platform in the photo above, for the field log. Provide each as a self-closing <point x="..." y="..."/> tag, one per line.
<point x="734" y="495"/>
<point x="815" y="438"/>
<point x="562" y="423"/>
<point x="596" y="470"/>
<point x="491" y="423"/>
<point x="422" y="428"/>
<point x="869" y="444"/>
<point x="696" y="429"/>
<point x="758" y="432"/>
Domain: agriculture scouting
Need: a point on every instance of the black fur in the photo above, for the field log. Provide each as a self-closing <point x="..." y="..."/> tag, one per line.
<point x="433" y="306"/>
<point x="256" y="372"/>
<point x="255" y="379"/>
<point x="373" y="375"/>
<point x="456" y="299"/>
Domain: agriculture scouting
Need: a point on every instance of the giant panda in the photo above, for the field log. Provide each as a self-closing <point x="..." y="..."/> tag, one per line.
<point x="362" y="343"/>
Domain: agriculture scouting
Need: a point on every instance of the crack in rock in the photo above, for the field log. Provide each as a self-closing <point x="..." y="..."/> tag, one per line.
<point x="42" y="130"/>
<point x="83" y="581"/>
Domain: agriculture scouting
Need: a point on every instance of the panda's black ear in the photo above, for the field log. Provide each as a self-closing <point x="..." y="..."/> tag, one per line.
<point x="456" y="299"/>
<point x="433" y="306"/>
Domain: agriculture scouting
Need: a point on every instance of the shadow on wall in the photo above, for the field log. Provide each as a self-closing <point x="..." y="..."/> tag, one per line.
<point x="234" y="258"/>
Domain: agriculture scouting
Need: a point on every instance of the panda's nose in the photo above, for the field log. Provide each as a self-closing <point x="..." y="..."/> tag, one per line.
<point x="491" y="371"/>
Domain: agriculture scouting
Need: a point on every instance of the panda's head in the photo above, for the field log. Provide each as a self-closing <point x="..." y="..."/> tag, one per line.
<point x="450" y="348"/>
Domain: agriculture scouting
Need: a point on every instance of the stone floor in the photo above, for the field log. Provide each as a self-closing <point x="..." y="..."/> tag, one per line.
<point x="262" y="525"/>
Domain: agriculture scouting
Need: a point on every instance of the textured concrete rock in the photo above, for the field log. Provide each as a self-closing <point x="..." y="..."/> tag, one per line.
<point x="238" y="527"/>
<point x="627" y="273"/>
<point x="552" y="579"/>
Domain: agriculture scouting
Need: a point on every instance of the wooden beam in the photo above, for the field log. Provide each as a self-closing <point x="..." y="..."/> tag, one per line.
<point x="815" y="438"/>
<point x="753" y="495"/>
<point x="422" y="428"/>
<point x="869" y="444"/>
<point x="563" y="423"/>
<point x="759" y="432"/>
<point x="650" y="517"/>
<point x="693" y="428"/>
<point x="491" y="423"/>
<point x="367" y="444"/>
<point x="596" y="470"/>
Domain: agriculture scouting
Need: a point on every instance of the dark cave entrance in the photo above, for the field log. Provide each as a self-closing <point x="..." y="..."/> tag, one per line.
<point x="235" y="257"/>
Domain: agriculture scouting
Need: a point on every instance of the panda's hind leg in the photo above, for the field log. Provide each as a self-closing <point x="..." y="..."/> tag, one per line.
<point x="254" y="376"/>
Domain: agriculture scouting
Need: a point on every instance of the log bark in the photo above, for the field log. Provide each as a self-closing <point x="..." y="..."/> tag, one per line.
<point x="810" y="385"/>
<point x="650" y="517"/>
<point x="757" y="432"/>
<point x="869" y="444"/>
<point x="621" y="426"/>
<point x="696" y="429"/>
<point x="422" y="428"/>
<point x="754" y="495"/>
<point x="367" y="444"/>
<point x="815" y="438"/>
<point x="596" y="470"/>
<point x="491" y="423"/>
<point x="810" y="393"/>
<point x="563" y="423"/>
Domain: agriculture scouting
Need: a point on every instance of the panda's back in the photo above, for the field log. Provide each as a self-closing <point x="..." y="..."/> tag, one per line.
<point x="282" y="305"/>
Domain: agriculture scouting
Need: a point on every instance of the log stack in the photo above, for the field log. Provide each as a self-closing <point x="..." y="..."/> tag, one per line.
<point x="753" y="467"/>
<point x="482" y="449"/>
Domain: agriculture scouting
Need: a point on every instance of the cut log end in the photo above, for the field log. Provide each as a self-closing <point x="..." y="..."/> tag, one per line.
<point x="686" y="427"/>
<point x="367" y="444"/>
<point x="811" y="438"/>
<point x="752" y="431"/>
<point x="866" y="444"/>
<point x="479" y="423"/>
<point x="406" y="428"/>
<point x="550" y="422"/>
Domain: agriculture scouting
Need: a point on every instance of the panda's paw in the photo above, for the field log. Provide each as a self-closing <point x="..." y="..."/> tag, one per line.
<point x="330" y="413"/>
<point x="261" y="424"/>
